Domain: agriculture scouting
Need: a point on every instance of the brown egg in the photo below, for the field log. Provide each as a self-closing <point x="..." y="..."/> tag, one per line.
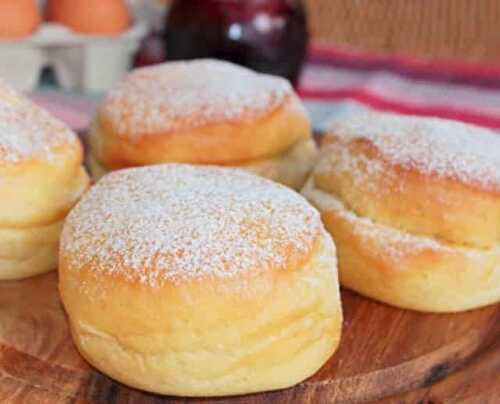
<point x="90" y="16"/>
<point x="18" y="18"/>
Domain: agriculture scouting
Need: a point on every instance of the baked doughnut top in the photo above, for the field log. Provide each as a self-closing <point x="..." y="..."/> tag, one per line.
<point x="431" y="146"/>
<point x="183" y="95"/>
<point x="28" y="132"/>
<point x="173" y="223"/>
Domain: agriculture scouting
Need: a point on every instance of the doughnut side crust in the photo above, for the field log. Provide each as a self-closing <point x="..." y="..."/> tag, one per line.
<point x="38" y="192"/>
<point x="412" y="272"/>
<point x="290" y="168"/>
<point x="29" y="251"/>
<point x="408" y="199"/>
<point x="214" y="337"/>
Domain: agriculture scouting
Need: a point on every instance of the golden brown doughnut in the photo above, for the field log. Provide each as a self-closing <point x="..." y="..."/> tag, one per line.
<point x="406" y="270"/>
<point x="41" y="177"/>
<point x="201" y="112"/>
<point x="414" y="207"/>
<point x="199" y="281"/>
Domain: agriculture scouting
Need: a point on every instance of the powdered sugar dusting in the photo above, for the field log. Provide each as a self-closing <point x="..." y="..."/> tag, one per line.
<point x="175" y="222"/>
<point x="359" y="167"/>
<point x="27" y="131"/>
<point x="436" y="146"/>
<point x="183" y="95"/>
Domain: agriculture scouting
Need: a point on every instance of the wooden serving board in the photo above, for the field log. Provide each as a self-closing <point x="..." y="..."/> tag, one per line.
<point x="384" y="353"/>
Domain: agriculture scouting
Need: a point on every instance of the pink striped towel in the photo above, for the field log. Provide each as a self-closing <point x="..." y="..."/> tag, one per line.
<point x="466" y="92"/>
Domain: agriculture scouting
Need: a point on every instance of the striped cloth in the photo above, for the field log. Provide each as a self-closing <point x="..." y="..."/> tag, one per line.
<point x="465" y="92"/>
<point x="334" y="80"/>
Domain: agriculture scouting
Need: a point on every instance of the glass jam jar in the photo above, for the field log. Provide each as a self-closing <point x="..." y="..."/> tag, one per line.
<point x="269" y="36"/>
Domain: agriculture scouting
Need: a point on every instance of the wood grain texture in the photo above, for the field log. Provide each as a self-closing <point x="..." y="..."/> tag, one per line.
<point x="440" y="29"/>
<point x="384" y="353"/>
<point x="479" y="382"/>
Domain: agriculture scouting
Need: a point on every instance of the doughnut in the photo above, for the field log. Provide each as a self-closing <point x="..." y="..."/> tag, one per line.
<point x="413" y="205"/>
<point x="41" y="178"/>
<point x="205" y="112"/>
<point x="199" y="281"/>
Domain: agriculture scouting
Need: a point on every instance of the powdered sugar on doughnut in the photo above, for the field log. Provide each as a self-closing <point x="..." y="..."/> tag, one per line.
<point x="27" y="131"/>
<point x="436" y="146"/>
<point x="179" y="222"/>
<point x="183" y="95"/>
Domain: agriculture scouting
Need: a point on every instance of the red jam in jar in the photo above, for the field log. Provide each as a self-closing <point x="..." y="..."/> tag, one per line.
<point x="269" y="36"/>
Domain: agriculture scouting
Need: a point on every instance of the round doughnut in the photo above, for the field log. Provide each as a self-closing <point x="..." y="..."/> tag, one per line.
<point x="41" y="178"/>
<point x="199" y="281"/>
<point x="202" y="112"/>
<point x="413" y="205"/>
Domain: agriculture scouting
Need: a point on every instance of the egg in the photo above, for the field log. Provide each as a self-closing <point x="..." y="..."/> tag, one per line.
<point x="102" y="17"/>
<point x="18" y="18"/>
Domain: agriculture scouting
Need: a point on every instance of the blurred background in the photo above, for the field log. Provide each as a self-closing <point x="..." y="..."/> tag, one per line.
<point x="424" y="57"/>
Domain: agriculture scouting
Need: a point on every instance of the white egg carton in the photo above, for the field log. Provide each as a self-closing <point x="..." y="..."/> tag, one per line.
<point x="88" y="63"/>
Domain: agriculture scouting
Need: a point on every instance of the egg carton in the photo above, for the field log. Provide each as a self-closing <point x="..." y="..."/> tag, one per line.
<point x="89" y="63"/>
